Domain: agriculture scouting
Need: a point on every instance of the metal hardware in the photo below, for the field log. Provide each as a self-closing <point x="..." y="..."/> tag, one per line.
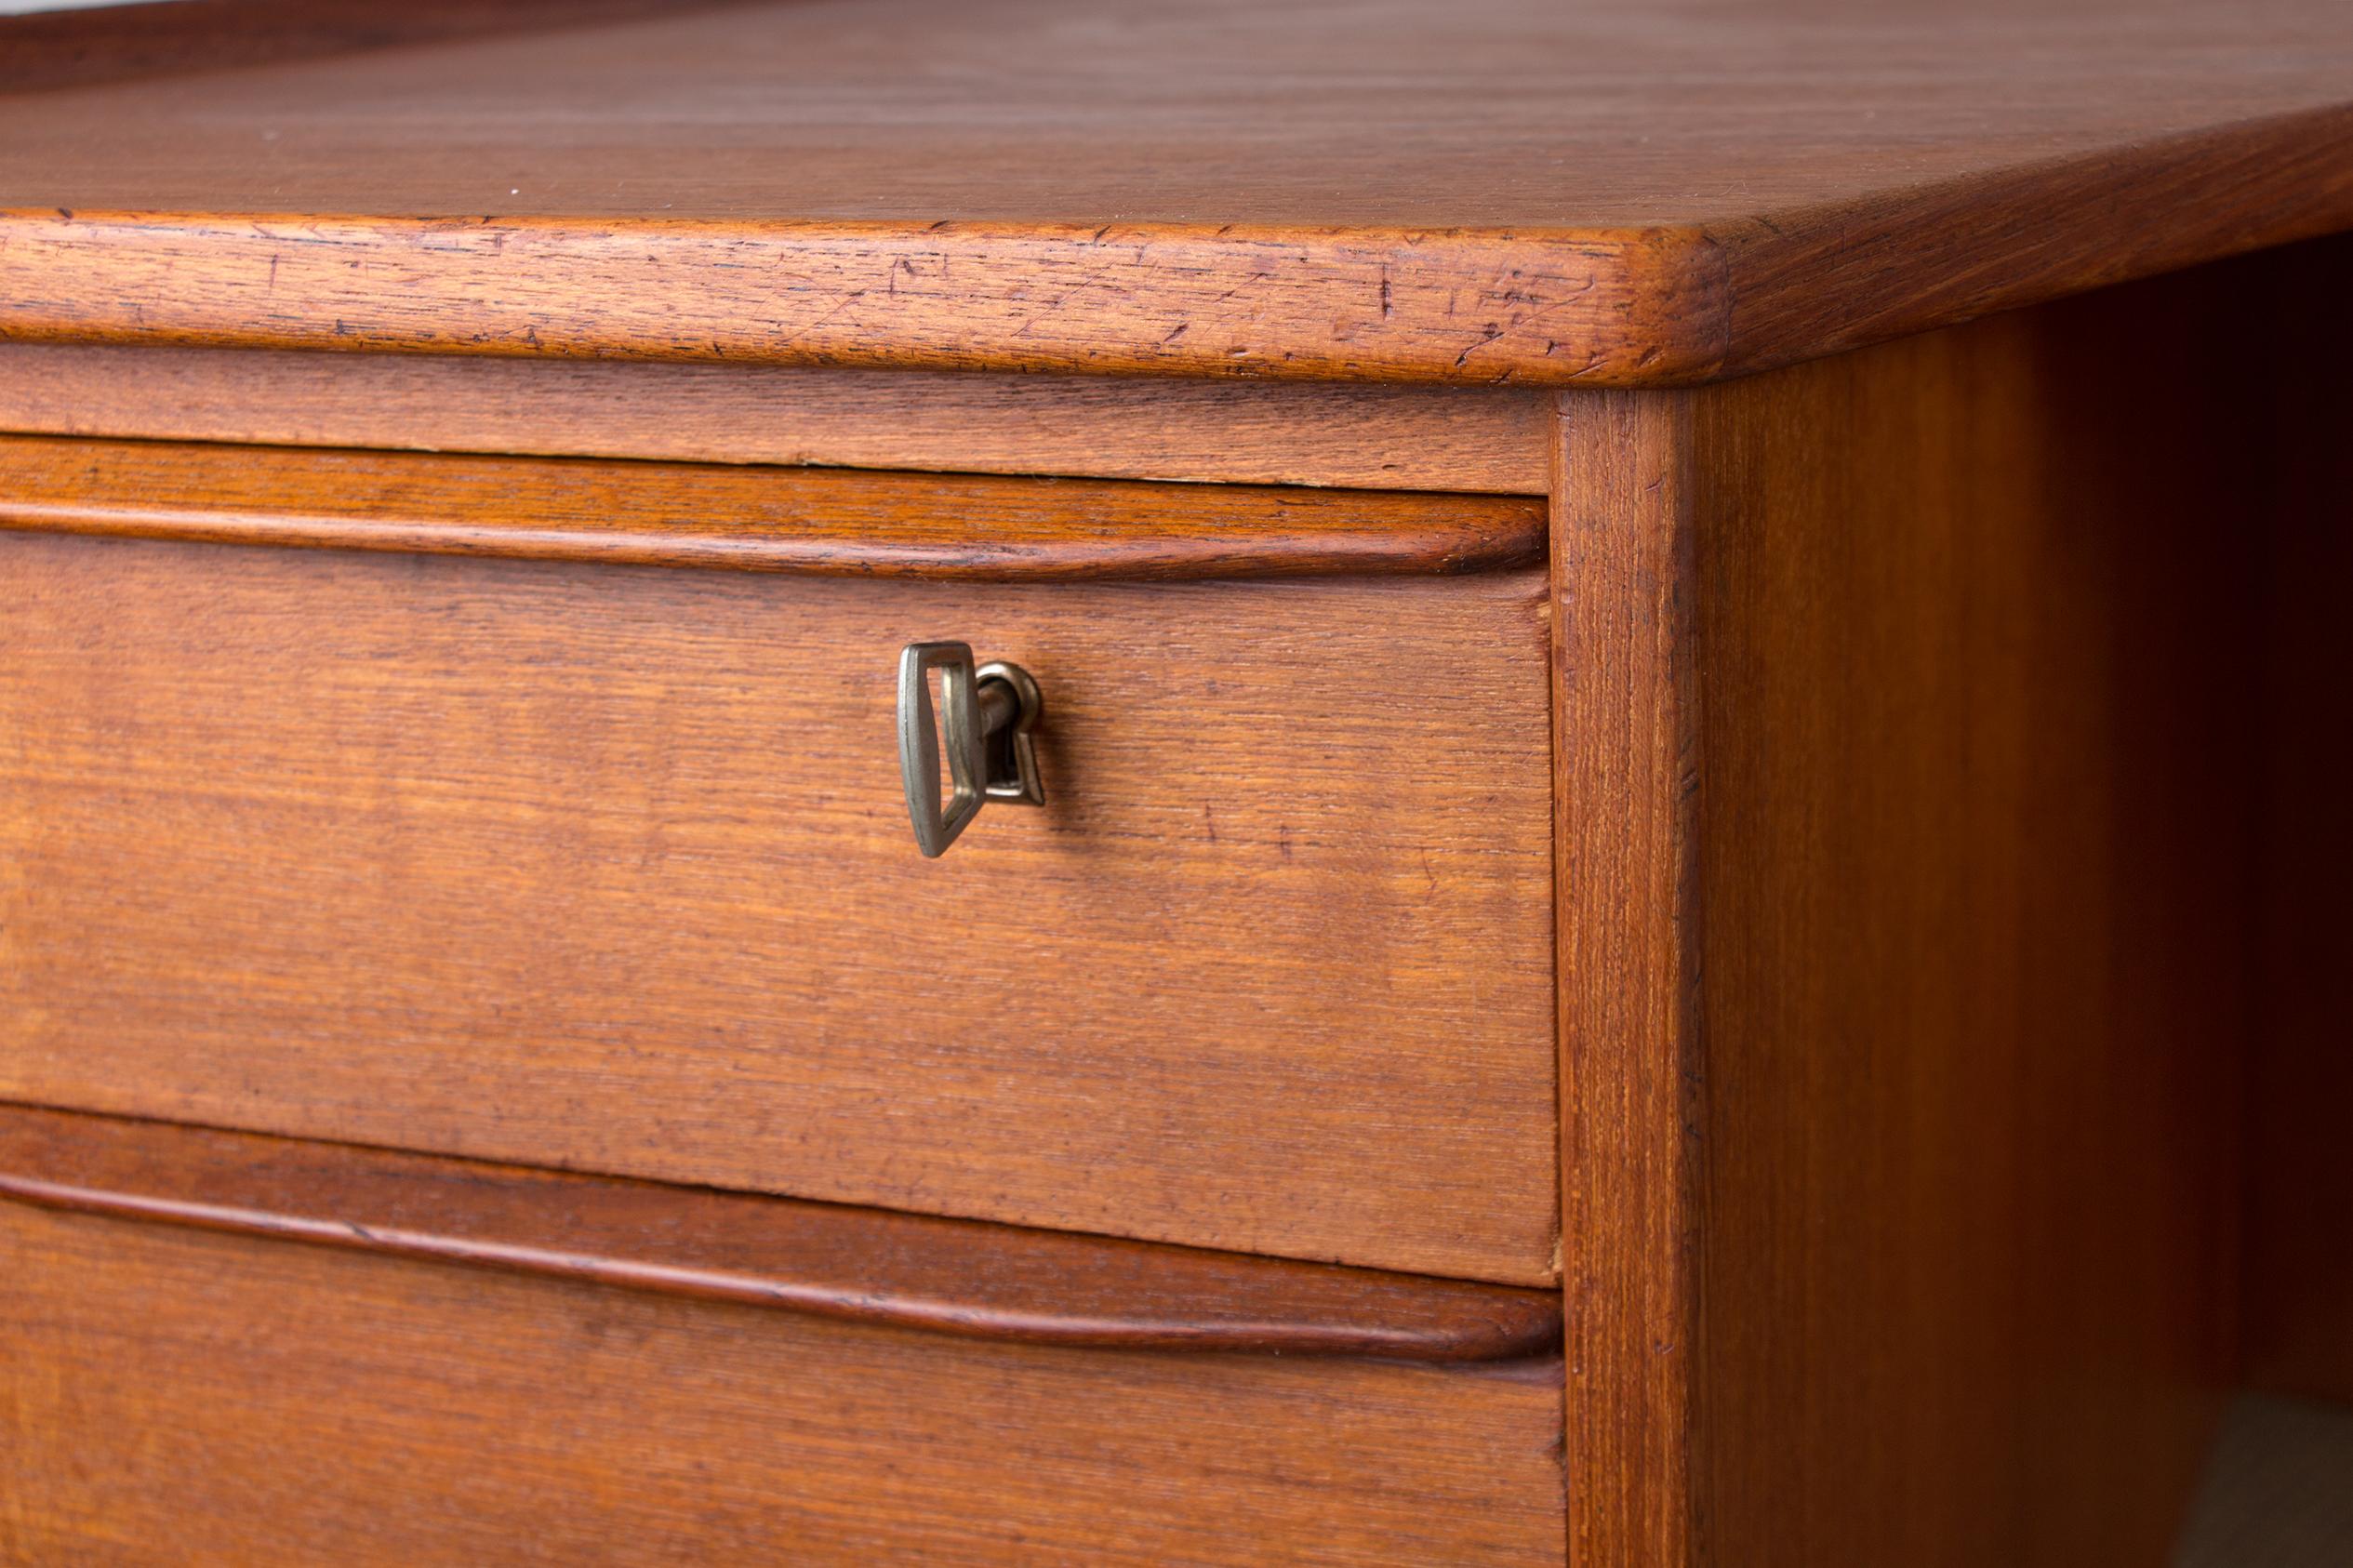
<point x="989" y="711"/>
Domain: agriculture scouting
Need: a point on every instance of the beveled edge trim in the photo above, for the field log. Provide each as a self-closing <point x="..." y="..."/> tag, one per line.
<point x="1464" y="307"/>
<point x="829" y="522"/>
<point x="963" y="1277"/>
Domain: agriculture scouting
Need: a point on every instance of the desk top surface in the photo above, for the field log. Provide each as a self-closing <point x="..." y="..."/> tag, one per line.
<point x="1537" y="190"/>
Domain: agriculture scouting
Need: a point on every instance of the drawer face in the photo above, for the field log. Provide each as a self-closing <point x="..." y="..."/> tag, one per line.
<point x="183" y="1397"/>
<point x="608" y="868"/>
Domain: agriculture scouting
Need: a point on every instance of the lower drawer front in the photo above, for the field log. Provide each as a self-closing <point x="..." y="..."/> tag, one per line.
<point x="608" y="868"/>
<point x="177" y="1396"/>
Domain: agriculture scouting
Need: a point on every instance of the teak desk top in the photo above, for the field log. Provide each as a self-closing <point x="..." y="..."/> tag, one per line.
<point x="1709" y="889"/>
<point x="1494" y="190"/>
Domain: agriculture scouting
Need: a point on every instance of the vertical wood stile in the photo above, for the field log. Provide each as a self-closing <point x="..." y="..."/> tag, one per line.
<point x="1625" y="760"/>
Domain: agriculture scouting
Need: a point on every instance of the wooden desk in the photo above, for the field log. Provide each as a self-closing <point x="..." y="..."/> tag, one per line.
<point x="1690" y="733"/>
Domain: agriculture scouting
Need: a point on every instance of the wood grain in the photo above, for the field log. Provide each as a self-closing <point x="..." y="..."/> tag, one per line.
<point x="1387" y="304"/>
<point x="1365" y="437"/>
<point x="1904" y="1027"/>
<point x="989" y="1282"/>
<point x="609" y="868"/>
<point x="1495" y="190"/>
<point x="1625" y="758"/>
<point x="827" y="523"/>
<point x="171" y="1395"/>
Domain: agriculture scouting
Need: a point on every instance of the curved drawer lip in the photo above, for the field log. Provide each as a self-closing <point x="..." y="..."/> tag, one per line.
<point x="963" y="1277"/>
<point x="816" y="521"/>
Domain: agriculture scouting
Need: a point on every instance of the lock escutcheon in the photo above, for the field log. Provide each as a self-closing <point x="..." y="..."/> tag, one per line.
<point x="988" y="713"/>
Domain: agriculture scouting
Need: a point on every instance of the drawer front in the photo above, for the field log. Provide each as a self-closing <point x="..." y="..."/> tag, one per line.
<point x="607" y="868"/>
<point x="174" y="1396"/>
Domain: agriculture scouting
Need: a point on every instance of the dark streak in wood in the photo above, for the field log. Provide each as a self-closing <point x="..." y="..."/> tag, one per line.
<point x="47" y="51"/>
